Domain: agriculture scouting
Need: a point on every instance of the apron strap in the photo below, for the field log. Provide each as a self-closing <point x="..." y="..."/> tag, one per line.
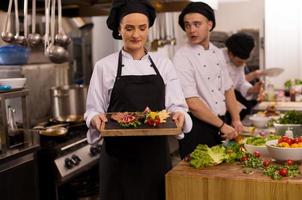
<point x="119" y="65"/>
<point x="153" y="65"/>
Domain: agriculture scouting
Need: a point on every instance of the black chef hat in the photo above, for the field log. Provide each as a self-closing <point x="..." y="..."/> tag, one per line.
<point x="121" y="8"/>
<point x="240" y="44"/>
<point x="197" y="7"/>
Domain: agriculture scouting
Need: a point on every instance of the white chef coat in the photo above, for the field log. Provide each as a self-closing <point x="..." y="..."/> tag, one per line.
<point x="238" y="76"/>
<point x="202" y="74"/>
<point x="103" y="78"/>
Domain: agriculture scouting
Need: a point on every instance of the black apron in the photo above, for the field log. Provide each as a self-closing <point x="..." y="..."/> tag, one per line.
<point x="134" y="168"/>
<point x="201" y="133"/>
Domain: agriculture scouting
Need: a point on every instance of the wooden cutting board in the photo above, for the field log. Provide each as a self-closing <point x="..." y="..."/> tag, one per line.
<point x="228" y="182"/>
<point x="112" y="128"/>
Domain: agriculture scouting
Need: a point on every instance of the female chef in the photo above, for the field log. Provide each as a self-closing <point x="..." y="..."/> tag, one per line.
<point x="133" y="168"/>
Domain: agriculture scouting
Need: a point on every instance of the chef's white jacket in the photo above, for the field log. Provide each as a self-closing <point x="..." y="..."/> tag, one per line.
<point x="203" y="74"/>
<point x="103" y="78"/>
<point x="238" y="76"/>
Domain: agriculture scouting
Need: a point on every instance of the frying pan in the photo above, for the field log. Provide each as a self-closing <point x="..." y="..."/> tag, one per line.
<point x="70" y="118"/>
<point x="52" y="131"/>
<point x="58" y="131"/>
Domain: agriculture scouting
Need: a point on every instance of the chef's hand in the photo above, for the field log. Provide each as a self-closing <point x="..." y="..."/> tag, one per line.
<point x="228" y="132"/>
<point x="98" y="120"/>
<point x="258" y="73"/>
<point x="179" y="119"/>
<point x="256" y="88"/>
<point x="237" y="125"/>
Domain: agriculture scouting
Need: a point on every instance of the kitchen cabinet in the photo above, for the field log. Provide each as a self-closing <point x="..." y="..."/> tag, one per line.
<point x="19" y="175"/>
<point x="227" y="182"/>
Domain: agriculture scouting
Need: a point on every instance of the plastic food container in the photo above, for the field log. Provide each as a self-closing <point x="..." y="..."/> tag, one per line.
<point x="13" y="55"/>
<point x="13" y="83"/>
<point x="282" y="128"/>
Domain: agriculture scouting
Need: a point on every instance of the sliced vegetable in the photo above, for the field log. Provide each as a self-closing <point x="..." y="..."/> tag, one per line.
<point x="260" y="141"/>
<point x="291" y="117"/>
<point x="155" y="118"/>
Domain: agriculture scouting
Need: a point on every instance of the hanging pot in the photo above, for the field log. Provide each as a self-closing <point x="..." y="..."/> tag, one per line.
<point x="68" y="103"/>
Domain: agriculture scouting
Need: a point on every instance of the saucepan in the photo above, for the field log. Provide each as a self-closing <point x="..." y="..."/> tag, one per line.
<point x="68" y="103"/>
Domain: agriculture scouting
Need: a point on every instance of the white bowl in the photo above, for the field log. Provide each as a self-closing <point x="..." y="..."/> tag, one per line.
<point x="283" y="153"/>
<point x="13" y="82"/>
<point x="259" y="121"/>
<point x="252" y="148"/>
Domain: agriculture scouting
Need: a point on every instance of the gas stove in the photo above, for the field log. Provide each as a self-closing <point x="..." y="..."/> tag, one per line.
<point x="76" y="157"/>
<point x="64" y="160"/>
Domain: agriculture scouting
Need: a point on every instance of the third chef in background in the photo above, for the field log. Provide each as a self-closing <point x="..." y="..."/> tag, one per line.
<point x="238" y="49"/>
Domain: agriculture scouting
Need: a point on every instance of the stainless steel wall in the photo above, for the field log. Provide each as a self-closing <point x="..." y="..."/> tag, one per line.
<point x="40" y="78"/>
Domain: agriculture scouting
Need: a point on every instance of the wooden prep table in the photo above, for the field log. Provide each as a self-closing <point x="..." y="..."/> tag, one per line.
<point x="228" y="182"/>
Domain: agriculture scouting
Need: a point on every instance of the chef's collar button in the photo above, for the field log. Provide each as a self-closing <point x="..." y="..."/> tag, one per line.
<point x="213" y="51"/>
<point x="199" y="54"/>
<point x="216" y="102"/>
<point x="217" y="64"/>
<point x="204" y="65"/>
<point x="219" y="89"/>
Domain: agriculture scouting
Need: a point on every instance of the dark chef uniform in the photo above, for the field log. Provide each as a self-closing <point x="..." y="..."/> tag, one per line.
<point x="133" y="167"/>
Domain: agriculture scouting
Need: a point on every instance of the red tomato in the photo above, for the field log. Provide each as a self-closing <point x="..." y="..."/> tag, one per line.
<point x="244" y="158"/>
<point x="257" y="154"/>
<point x="157" y="122"/>
<point x="283" y="139"/>
<point x="290" y="141"/>
<point x="295" y="140"/>
<point x="289" y="162"/>
<point x="283" y="172"/>
<point x="266" y="163"/>
<point x="149" y="122"/>
<point x="300" y="139"/>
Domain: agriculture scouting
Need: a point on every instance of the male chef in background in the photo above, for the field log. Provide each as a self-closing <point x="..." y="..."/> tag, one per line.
<point x="206" y="84"/>
<point x="238" y="49"/>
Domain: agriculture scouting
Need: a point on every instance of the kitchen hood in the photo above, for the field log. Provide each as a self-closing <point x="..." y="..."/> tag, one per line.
<point x="85" y="8"/>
